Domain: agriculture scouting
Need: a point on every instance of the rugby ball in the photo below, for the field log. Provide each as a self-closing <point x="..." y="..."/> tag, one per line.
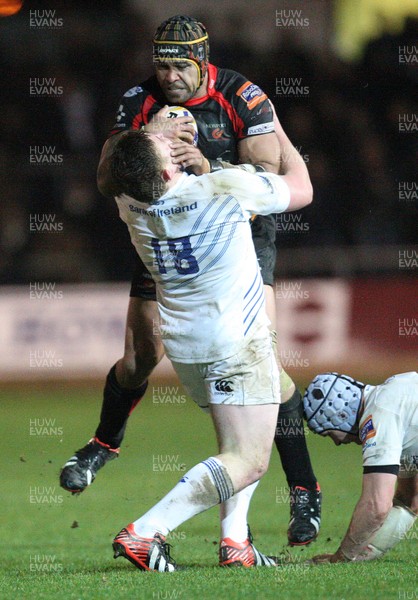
<point x="180" y="111"/>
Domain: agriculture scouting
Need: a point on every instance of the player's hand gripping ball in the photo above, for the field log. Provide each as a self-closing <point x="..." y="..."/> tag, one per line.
<point x="179" y="111"/>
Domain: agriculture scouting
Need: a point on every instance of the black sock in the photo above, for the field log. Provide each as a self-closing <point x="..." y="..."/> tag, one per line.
<point x="291" y="444"/>
<point x="118" y="403"/>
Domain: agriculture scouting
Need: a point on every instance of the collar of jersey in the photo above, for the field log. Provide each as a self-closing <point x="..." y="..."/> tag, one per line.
<point x="172" y="191"/>
<point x="212" y="73"/>
<point x="368" y="390"/>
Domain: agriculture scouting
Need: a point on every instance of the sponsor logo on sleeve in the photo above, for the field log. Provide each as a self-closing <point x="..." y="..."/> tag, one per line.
<point x="251" y="94"/>
<point x="261" y="128"/>
<point x="133" y="91"/>
<point x="120" y="114"/>
<point x="367" y="430"/>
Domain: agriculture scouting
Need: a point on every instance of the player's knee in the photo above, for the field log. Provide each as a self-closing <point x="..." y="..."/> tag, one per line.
<point x="147" y="358"/>
<point x="137" y="366"/>
<point x="261" y="468"/>
<point x="255" y="469"/>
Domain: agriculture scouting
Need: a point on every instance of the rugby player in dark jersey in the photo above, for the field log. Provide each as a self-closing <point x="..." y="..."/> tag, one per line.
<point x="236" y="124"/>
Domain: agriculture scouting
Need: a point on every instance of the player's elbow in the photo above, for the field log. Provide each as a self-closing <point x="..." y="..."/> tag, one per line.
<point x="306" y="194"/>
<point x="303" y="183"/>
<point x="300" y="197"/>
<point x="300" y="187"/>
<point x="378" y="509"/>
<point x="382" y="510"/>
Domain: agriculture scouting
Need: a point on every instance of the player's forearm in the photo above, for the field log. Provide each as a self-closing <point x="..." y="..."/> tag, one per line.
<point x="367" y="518"/>
<point x="217" y="165"/>
<point x="105" y="182"/>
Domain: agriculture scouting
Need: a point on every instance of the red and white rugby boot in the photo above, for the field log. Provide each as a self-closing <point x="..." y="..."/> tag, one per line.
<point x="243" y="554"/>
<point x="147" y="554"/>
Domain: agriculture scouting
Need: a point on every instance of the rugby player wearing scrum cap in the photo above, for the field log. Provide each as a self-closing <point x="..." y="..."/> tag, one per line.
<point x="384" y="420"/>
<point x="237" y="124"/>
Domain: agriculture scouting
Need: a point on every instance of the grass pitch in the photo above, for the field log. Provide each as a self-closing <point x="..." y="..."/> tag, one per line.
<point x="59" y="546"/>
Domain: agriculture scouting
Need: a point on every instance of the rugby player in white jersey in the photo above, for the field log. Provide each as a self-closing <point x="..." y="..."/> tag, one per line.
<point x="384" y="420"/>
<point x="237" y="124"/>
<point x="194" y="236"/>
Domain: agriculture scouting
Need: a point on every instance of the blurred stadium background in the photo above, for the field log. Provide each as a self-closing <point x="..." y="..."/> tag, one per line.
<point x="343" y="76"/>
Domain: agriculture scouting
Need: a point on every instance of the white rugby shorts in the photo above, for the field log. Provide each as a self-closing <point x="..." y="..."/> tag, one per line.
<point x="250" y="377"/>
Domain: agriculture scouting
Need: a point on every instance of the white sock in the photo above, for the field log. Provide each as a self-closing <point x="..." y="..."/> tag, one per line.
<point x="204" y="486"/>
<point x="234" y="514"/>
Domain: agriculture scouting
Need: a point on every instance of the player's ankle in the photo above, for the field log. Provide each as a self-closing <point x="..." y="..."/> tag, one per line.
<point x="107" y="446"/>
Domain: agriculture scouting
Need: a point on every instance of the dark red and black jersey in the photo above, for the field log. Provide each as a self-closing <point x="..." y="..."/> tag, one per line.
<point x="233" y="109"/>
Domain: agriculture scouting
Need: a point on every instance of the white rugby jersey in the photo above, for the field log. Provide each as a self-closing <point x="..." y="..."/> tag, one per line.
<point x="388" y="427"/>
<point x="196" y="242"/>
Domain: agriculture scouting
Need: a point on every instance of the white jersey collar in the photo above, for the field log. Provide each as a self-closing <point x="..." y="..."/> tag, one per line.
<point x="173" y="190"/>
